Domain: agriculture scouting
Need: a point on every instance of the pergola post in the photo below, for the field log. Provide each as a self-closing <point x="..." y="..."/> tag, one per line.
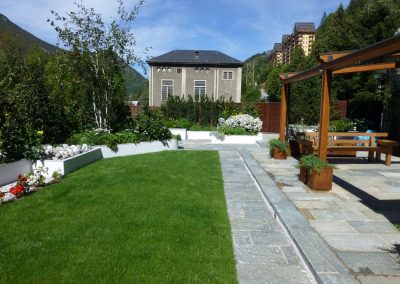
<point x="324" y="114"/>
<point x="283" y="116"/>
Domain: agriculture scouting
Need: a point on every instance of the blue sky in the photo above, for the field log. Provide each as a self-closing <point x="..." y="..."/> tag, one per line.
<point x="239" y="28"/>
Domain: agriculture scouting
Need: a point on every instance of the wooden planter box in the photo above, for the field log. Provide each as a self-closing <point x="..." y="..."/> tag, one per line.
<point x="321" y="181"/>
<point x="303" y="175"/>
<point x="278" y="154"/>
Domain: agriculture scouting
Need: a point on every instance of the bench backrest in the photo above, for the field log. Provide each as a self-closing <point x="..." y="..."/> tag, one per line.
<point x="337" y="138"/>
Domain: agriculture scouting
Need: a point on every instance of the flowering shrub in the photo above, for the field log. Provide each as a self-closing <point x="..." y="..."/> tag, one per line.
<point x="64" y="151"/>
<point x="239" y="125"/>
<point x="27" y="183"/>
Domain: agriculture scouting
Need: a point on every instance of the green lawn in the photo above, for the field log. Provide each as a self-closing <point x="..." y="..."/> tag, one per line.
<point x="148" y="218"/>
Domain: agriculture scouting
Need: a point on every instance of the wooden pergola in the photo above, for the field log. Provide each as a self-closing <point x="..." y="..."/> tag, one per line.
<point x="332" y="64"/>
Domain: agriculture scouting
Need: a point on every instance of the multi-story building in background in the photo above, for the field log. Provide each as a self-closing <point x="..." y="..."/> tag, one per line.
<point x="275" y="55"/>
<point x="303" y="36"/>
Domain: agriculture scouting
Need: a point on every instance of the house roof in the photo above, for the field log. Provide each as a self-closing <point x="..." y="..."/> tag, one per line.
<point x="195" y="57"/>
<point x="304" y="28"/>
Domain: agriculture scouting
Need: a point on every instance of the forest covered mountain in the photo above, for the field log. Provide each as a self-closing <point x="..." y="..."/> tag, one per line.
<point x="21" y="42"/>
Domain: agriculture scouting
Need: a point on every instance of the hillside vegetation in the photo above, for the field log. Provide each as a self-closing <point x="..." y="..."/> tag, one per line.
<point x="19" y="41"/>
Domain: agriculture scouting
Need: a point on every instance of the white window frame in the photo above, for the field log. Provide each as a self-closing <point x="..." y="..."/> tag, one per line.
<point x="168" y="86"/>
<point x="205" y="88"/>
<point x="227" y="72"/>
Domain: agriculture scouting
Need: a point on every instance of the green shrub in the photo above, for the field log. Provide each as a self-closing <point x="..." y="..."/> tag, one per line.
<point x="199" y="127"/>
<point x="279" y="144"/>
<point x="234" y="130"/>
<point x="205" y="111"/>
<point x="177" y="123"/>
<point x="19" y="140"/>
<point x="341" y="125"/>
<point x="313" y="164"/>
<point x="149" y="126"/>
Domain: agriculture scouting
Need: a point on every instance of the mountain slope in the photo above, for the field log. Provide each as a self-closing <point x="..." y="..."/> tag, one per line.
<point x="20" y="41"/>
<point x="10" y="33"/>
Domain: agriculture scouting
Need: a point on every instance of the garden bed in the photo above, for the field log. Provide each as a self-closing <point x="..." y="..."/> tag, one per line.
<point x="236" y="139"/>
<point x="71" y="164"/>
<point x="140" y="148"/>
<point x="9" y="172"/>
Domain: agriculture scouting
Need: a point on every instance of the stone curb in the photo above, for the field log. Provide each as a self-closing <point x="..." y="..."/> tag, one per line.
<point x="322" y="262"/>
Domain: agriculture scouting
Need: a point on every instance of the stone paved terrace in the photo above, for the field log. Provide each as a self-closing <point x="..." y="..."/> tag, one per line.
<point x="356" y="217"/>
<point x="342" y="236"/>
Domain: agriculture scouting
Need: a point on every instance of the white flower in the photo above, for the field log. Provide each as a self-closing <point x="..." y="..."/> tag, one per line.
<point x="245" y="121"/>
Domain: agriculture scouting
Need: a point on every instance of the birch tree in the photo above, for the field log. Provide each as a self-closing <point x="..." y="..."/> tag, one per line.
<point x="102" y="50"/>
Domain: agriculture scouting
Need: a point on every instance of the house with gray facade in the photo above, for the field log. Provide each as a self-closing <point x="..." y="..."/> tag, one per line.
<point x="195" y="73"/>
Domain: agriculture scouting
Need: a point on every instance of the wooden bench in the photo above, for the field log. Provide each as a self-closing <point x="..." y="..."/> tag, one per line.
<point x="344" y="144"/>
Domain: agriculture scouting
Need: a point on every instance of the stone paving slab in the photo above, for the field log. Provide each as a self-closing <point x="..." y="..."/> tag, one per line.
<point x="356" y="242"/>
<point x="375" y="263"/>
<point x="339" y="236"/>
<point x="324" y="263"/>
<point x="262" y="251"/>
<point x="353" y="217"/>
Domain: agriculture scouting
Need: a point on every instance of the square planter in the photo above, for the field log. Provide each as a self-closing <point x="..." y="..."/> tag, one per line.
<point x="198" y="135"/>
<point x="278" y="154"/>
<point x="179" y="131"/>
<point x="9" y="172"/>
<point x="322" y="181"/>
<point x="236" y="139"/>
<point x="71" y="164"/>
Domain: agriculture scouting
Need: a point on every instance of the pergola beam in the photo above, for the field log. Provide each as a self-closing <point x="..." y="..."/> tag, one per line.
<point x="324" y="115"/>
<point x="380" y="49"/>
<point x="327" y="57"/>
<point x="366" y="68"/>
<point x="386" y="47"/>
<point x="283" y="116"/>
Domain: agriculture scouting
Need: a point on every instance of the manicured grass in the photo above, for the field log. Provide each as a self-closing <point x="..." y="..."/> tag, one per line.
<point x="149" y="218"/>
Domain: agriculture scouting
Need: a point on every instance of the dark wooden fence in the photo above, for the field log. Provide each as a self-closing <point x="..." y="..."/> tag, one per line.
<point x="270" y="114"/>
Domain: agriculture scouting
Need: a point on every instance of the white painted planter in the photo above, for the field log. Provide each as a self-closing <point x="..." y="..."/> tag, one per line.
<point x="199" y="135"/>
<point x="179" y="131"/>
<point x="140" y="148"/>
<point x="71" y="164"/>
<point x="9" y="172"/>
<point x="237" y="139"/>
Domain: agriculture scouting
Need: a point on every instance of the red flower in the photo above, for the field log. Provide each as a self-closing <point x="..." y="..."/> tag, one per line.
<point x="17" y="190"/>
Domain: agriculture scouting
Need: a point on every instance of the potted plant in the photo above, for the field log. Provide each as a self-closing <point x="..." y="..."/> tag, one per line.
<point x="278" y="149"/>
<point x="315" y="173"/>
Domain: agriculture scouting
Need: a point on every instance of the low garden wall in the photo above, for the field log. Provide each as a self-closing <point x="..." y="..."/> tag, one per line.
<point x="236" y="139"/>
<point x="140" y="148"/>
<point x="9" y="172"/>
<point x="71" y="164"/>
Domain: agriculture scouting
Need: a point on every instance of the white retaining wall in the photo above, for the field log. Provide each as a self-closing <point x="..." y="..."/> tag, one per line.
<point x="140" y="148"/>
<point x="9" y="172"/>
